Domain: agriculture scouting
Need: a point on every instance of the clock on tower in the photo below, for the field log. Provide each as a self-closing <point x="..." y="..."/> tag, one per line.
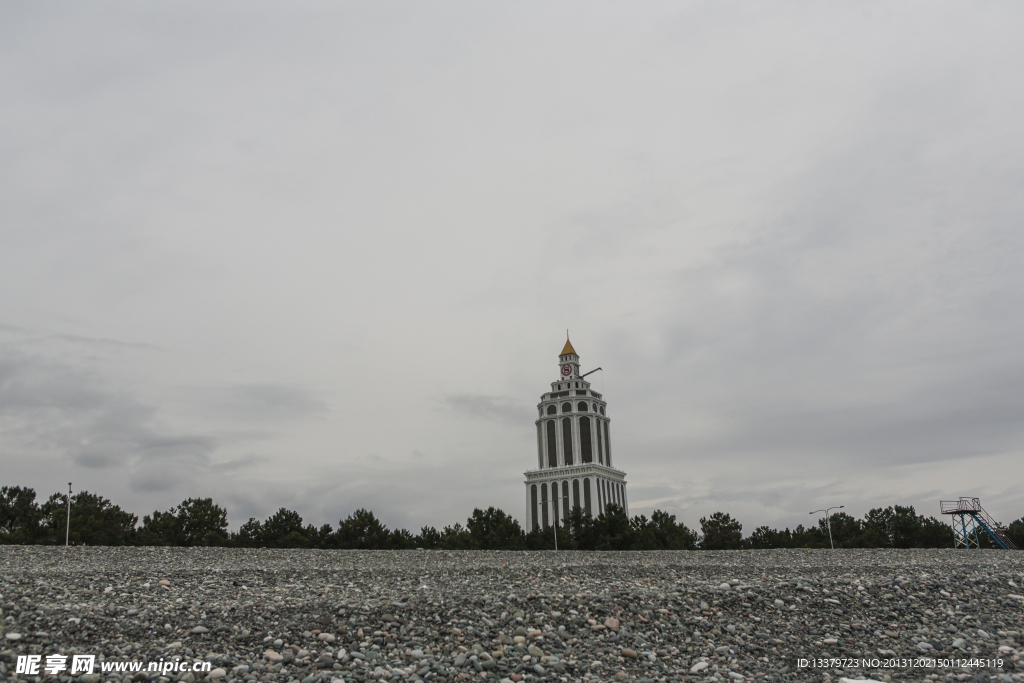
<point x="569" y="361"/>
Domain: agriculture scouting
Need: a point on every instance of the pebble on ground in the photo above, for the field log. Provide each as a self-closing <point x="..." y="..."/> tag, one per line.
<point x="311" y="616"/>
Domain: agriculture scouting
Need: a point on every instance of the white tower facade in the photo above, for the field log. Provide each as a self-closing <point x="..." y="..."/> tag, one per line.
<point x="574" y="452"/>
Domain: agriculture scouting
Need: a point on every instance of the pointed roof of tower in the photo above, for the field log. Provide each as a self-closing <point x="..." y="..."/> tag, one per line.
<point x="567" y="349"/>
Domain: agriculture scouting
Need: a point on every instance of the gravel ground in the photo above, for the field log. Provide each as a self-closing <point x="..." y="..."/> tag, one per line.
<point x="312" y="616"/>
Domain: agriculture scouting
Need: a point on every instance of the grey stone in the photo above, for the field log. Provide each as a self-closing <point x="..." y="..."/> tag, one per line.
<point x="668" y="605"/>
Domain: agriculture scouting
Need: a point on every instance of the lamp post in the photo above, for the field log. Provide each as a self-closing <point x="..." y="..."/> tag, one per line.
<point x="67" y="530"/>
<point x="828" y="523"/>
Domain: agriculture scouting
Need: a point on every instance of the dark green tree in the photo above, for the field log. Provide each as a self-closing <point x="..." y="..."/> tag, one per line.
<point x="94" y="520"/>
<point x="429" y="538"/>
<point x="934" y="534"/>
<point x="456" y="538"/>
<point x="363" y="531"/>
<point x="613" y="529"/>
<point x="202" y="522"/>
<point x="160" y="528"/>
<point x="401" y="539"/>
<point x="492" y="529"/>
<point x="581" y="531"/>
<point x="325" y="537"/>
<point x="1016" y="533"/>
<point x="284" y="530"/>
<point x="20" y="516"/>
<point x="847" y="531"/>
<point x="669" y="534"/>
<point x="765" y="537"/>
<point x="249" y="535"/>
<point x="196" y="522"/>
<point x="902" y="527"/>
<point x="720" y="532"/>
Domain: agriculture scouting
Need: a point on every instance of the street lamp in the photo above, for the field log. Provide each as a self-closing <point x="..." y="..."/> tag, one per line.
<point x="67" y="531"/>
<point x="828" y="523"/>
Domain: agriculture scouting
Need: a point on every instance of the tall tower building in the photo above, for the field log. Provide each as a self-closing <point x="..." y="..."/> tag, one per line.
<point x="574" y="451"/>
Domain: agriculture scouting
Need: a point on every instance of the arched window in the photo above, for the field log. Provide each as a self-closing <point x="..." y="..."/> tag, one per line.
<point x="540" y="446"/>
<point x="600" y="446"/>
<point x="544" y="505"/>
<point x="607" y="446"/>
<point x="533" y="506"/>
<point x="586" y="497"/>
<point x="582" y="406"/>
<point x="602" y="410"/>
<point x="566" y="505"/>
<point x="552" y="447"/>
<point x="567" y="457"/>
<point x="566" y="407"/>
<point x="554" y="503"/>
<point x="585" y="449"/>
<point x="575" y="493"/>
<point x="552" y="409"/>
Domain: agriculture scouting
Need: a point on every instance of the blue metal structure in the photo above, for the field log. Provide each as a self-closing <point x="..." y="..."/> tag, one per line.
<point x="968" y="518"/>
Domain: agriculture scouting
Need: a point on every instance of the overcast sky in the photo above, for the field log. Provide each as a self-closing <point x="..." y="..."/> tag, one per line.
<point x="323" y="256"/>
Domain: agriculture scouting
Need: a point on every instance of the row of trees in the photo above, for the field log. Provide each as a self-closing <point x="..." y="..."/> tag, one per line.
<point x="200" y="522"/>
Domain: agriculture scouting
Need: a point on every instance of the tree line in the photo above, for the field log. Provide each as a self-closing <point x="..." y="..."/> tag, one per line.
<point x="201" y="522"/>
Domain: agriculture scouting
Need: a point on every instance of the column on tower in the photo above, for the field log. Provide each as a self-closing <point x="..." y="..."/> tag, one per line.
<point x="600" y="442"/>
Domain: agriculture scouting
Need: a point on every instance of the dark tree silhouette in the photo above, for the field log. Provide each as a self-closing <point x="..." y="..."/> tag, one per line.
<point x="721" y="532"/>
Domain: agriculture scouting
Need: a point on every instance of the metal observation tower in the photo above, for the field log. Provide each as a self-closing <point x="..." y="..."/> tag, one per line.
<point x="968" y="518"/>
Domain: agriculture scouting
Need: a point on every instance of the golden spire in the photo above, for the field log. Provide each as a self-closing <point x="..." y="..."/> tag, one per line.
<point x="567" y="349"/>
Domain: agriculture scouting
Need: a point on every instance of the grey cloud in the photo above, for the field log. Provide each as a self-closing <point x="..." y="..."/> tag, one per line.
<point x="56" y="402"/>
<point x="492" y="408"/>
<point x="257" y="403"/>
<point x="238" y="262"/>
